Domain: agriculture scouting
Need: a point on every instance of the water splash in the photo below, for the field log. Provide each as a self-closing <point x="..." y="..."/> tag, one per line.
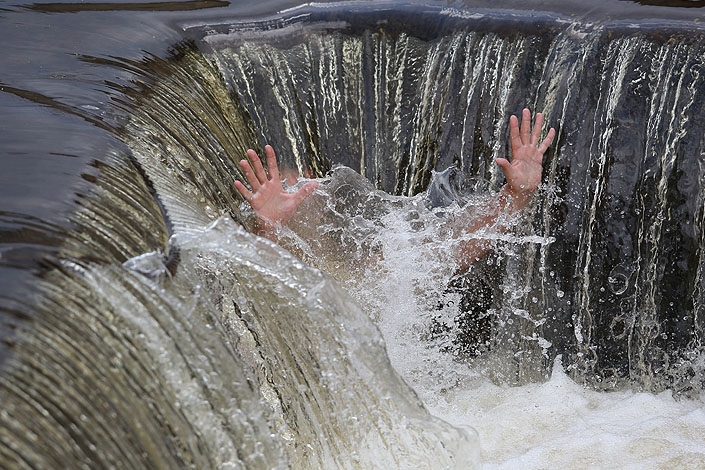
<point x="179" y="310"/>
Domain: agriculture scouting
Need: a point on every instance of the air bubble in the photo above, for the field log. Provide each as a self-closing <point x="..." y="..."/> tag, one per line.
<point x="618" y="281"/>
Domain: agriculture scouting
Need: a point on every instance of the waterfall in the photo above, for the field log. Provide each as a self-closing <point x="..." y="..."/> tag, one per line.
<point x="163" y="333"/>
<point x="185" y="326"/>
<point x="622" y="181"/>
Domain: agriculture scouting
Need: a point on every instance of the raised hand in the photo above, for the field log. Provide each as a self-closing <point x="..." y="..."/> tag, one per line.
<point x="523" y="173"/>
<point x="273" y="205"/>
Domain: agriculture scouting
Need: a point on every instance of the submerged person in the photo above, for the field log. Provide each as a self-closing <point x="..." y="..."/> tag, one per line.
<point x="274" y="206"/>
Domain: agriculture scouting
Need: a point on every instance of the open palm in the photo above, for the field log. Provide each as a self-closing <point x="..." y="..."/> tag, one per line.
<point x="523" y="173"/>
<point x="273" y="205"/>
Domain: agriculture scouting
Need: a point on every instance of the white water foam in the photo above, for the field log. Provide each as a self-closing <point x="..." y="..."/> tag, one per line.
<point x="560" y="424"/>
<point x="551" y="425"/>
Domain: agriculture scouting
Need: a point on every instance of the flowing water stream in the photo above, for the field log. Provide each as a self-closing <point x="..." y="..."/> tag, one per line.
<point x="144" y="326"/>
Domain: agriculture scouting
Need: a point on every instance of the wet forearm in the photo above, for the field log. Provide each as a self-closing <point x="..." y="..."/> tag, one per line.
<point x="505" y="203"/>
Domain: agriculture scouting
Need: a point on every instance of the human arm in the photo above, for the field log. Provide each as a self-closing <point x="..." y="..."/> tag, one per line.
<point x="272" y="204"/>
<point x="523" y="175"/>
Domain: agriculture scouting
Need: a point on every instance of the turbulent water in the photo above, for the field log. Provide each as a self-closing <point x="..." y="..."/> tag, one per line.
<point x="161" y="333"/>
<point x="620" y="289"/>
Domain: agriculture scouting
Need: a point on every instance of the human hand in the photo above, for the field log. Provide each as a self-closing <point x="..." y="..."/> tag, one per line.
<point x="273" y="205"/>
<point x="523" y="173"/>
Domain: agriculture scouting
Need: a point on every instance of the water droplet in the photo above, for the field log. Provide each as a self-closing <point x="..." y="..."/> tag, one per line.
<point x="618" y="280"/>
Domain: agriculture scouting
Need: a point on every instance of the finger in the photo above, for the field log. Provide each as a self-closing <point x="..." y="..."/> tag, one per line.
<point x="257" y="166"/>
<point x="244" y="192"/>
<point x="305" y="192"/>
<point x="514" y="137"/>
<point x="525" y="126"/>
<point x="249" y="174"/>
<point x="536" y="133"/>
<point x="503" y="164"/>
<point x="547" y="141"/>
<point x="272" y="163"/>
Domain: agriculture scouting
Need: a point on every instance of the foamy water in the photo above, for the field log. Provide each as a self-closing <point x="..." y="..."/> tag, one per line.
<point x="559" y="424"/>
<point x="552" y="424"/>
